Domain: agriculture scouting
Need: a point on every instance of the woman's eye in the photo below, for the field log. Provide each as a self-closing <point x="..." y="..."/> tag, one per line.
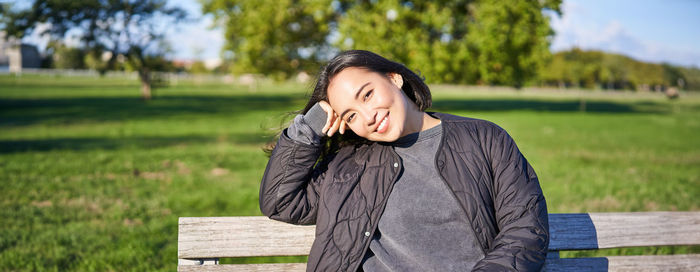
<point x="350" y="117"/>
<point x="368" y="94"/>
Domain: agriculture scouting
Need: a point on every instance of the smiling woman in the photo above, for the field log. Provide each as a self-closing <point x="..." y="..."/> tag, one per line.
<point x="377" y="110"/>
<point x="398" y="188"/>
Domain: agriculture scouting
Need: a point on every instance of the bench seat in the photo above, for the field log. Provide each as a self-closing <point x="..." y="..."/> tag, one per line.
<point x="203" y="240"/>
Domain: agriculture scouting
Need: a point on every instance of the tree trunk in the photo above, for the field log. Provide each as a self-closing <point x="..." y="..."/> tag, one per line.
<point x="145" y="76"/>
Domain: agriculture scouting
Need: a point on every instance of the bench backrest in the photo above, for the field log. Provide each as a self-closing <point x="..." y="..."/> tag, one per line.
<point x="203" y="240"/>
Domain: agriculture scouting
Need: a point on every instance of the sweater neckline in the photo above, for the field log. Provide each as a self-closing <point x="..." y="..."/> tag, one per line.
<point x="416" y="137"/>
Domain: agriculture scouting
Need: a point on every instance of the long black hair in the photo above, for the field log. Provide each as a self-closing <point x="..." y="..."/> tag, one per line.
<point x="413" y="86"/>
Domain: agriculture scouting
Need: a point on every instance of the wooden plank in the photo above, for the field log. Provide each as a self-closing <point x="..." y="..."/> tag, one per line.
<point x="625" y="263"/>
<point x="617" y="263"/>
<point x="241" y="236"/>
<point x="244" y="267"/>
<point x="212" y="237"/>
<point x="614" y="230"/>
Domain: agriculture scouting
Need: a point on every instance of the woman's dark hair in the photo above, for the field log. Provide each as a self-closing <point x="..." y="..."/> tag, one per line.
<point x="413" y="86"/>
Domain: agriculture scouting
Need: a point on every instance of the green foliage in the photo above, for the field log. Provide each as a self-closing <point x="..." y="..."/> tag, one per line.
<point x="273" y="37"/>
<point x="95" y="62"/>
<point x="427" y="36"/>
<point x="511" y="39"/>
<point x="690" y="78"/>
<point x="131" y="28"/>
<point x="198" y="68"/>
<point x="464" y="41"/>
<point x="596" y="69"/>
<point x="93" y="179"/>
<point x="64" y="57"/>
<point x="155" y="63"/>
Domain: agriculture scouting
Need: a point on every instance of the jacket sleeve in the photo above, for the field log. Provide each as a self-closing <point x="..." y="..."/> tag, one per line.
<point x="520" y="209"/>
<point x="289" y="187"/>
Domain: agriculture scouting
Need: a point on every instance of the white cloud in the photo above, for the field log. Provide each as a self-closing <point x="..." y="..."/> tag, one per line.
<point x="35" y="38"/>
<point x="196" y="40"/>
<point x="576" y="29"/>
<point x="189" y="40"/>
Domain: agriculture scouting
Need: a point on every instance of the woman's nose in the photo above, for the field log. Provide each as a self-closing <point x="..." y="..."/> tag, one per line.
<point x="369" y="116"/>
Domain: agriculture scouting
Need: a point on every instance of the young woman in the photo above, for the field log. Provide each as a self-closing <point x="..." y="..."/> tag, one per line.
<point x="391" y="187"/>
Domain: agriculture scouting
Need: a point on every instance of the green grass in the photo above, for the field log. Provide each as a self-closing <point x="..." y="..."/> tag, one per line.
<point x="93" y="178"/>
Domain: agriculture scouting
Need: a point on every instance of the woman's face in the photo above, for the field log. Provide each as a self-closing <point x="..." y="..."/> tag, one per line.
<point x="372" y="104"/>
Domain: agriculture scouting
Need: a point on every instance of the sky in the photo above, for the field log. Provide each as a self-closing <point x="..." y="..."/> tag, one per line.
<point x="648" y="30"/>
<point x="199" y="40"/>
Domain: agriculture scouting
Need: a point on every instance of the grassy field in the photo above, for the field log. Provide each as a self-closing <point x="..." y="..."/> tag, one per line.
<point x="94" y="179"/>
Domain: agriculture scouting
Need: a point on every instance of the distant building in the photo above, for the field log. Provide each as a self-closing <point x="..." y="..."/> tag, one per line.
<point x="4" y="59"/>
<point x="15" y="55"/>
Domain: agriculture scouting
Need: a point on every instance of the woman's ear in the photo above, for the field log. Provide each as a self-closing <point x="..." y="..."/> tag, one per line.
<point x="397" y="79"/>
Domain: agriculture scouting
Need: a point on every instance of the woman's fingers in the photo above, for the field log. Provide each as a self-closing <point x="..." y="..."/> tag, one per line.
<point x="330" y="115"/>
<point x="342" y="127"/>
<point x="334" y="127"/>
<point x="329" y="123"/>
<point x="333" y="121"/>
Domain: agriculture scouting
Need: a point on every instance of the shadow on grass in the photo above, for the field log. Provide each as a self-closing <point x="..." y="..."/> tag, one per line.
<point x="547" y="106"/>
<point x="20" y="112"/>
<point x="15" y="146"/>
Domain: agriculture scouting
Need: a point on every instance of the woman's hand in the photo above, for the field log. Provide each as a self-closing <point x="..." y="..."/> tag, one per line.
<point x="333" y="121"/>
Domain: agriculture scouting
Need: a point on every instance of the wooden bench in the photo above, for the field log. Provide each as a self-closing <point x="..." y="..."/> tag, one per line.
<point x="203" y="240"/>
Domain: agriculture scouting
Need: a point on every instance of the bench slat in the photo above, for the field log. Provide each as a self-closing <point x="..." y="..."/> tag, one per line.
<point x="213" y="237"/>
<point x="616" y="263"/>
<point x="625" y="263"/>
<point x="241" y="236"/>
<point x="243" y="267"/>
<point x="614" y="230"/>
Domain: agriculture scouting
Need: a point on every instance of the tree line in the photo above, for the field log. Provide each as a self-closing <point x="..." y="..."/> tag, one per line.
<point x="446" y="41"/>
<point x="451" y="41"/>
<point x="458" y="42"/>
<point x="111" y="33"/>
<point x="600" y="70"/>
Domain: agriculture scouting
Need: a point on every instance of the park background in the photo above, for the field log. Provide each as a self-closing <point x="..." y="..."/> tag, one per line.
<point x="111" y="137"/>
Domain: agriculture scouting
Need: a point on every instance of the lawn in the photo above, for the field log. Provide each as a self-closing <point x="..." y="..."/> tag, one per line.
<point x="93" y="178"/>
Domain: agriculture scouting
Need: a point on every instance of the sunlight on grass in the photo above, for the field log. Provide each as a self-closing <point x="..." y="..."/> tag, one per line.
<point x="94" y="178"/>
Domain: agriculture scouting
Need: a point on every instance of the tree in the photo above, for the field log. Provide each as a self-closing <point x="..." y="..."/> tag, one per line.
<point x="454" y="41"/>
<point x="134" y="29"/>
<point x="690" y="78"/>
<point x="511" y="38"/>
<point x="275" y="37"/>
<point x="428" y="36"/>
<point x="597" y="69"/>
<point x="65" y="57"/>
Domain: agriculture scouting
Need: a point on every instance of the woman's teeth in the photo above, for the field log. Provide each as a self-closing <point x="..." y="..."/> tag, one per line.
<point x="382" y="124"/>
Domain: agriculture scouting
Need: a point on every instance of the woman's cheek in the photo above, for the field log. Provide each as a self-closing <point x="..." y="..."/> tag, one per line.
<point x="358" y="130"/>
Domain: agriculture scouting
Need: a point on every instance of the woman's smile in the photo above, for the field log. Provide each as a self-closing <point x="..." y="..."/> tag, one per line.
<point x="383" y="125"/>
<point x="373" y="104"/>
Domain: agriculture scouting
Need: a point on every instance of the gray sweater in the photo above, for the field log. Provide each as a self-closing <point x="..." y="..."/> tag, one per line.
<point x="423" y="227"/>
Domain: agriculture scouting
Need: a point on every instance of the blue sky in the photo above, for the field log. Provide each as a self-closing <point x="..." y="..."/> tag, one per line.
<point x="199" y="40"/>
<point x="648" y="30"/>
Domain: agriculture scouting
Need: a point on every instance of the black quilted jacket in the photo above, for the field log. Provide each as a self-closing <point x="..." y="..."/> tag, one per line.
<point x="345" y="196"/>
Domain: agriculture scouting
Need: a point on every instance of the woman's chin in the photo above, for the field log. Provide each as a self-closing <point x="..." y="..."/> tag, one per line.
<point x="384" y="137"/>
